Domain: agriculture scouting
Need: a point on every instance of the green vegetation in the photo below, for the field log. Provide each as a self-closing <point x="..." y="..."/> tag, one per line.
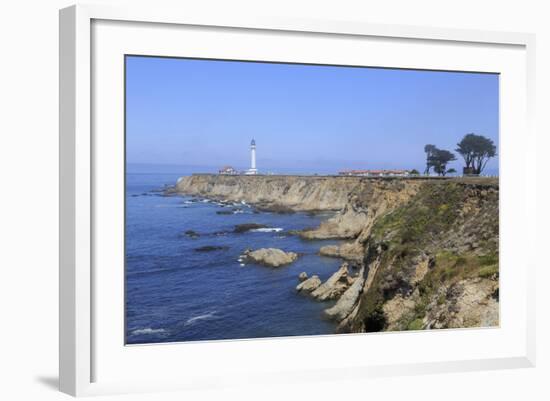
<point x="488" y="271"/>
<point x="416" y="324"/>
<point x="431" y="212"/>
<point x="489" y="259"/>
<point x="411" y="232"/>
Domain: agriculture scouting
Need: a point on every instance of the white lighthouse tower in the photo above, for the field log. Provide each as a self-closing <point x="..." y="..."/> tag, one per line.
<point x="252" y="170"/>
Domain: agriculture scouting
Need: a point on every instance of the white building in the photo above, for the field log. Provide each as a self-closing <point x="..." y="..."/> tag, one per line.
<point x="227" y="170"/>
<point x="252" y="170"/>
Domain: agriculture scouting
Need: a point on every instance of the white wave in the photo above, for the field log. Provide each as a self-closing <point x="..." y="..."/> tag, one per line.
<point x="267" y="230"/>
<point x="148" y="330"/>
<point x="194" y="319"/>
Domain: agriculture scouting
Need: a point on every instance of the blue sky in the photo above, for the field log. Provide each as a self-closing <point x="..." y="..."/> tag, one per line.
<point x="202" y="114"/>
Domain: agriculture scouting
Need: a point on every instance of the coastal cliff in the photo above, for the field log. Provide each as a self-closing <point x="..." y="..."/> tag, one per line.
<point x="292" y="192"/>
<point x="426" y="249"/>
<point x="432" y="262"/>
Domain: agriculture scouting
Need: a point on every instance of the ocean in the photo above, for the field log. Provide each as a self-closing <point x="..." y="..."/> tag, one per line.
<point x="175" y="293"/>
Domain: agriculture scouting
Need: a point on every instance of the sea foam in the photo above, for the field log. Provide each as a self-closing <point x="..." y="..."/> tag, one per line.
<point x="194" y="319"/>
<point x="147" y="330"/>
<point x="267" y="230"/>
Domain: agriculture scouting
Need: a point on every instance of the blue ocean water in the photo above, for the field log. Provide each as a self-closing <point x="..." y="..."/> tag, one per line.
<point x="175" y="293"/>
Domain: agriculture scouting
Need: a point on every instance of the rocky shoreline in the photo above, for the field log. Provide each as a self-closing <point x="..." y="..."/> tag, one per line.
<point x="418" y="253"/>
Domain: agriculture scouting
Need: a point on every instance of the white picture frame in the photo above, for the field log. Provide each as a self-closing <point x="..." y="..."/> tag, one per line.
<point x="82" y="158"/>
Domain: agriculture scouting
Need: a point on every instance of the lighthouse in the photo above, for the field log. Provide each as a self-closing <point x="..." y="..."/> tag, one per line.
<point x="252" y="169"/>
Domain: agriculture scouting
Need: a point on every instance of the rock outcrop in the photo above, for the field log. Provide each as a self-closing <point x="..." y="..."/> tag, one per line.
<point x="272" y="257"/>
<point x="334" y="286"/>
<point x="469" y="303"/>
<point x="348" y="300"/>
<point x="352" y="251"/>
<point x="309" y="285"/>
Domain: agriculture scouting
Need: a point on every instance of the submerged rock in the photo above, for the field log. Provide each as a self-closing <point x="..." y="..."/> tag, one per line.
<point x="270" y="256"/>
<point x="234" y="210"/>
<point x="210" y="248"/>
<point x="309" y="285"/>
<point x="275" y="208"/>
<point x="242" y="228"/>
<point x="192" y="234"/>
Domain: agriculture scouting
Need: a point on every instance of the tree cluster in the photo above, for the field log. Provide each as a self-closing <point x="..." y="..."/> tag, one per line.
<point x="437" y="159"/>
<point x="476" y="151"/>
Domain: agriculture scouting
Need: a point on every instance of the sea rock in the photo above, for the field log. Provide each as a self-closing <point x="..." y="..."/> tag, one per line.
<point x="334" y="286"/>
<point x="242" y="228"/>
<point x="192" y="234"/>
<point x="226" y="211"/>
<point x="302" y="276"/>
<point x="210" y="248"/>
<point x="348" y="300"/>
<point x="309" y="285"/>
<point x="271" y="256"/>
<point x="220" y="233"/>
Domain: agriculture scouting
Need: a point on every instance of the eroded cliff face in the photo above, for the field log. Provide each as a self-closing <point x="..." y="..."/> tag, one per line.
<point x="426" y="250"/>
<point x="293" y="192"/>
<point x="433" y="261"/>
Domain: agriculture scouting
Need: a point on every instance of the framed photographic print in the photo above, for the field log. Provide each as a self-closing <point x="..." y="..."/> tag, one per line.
<point x="254" y="199"/>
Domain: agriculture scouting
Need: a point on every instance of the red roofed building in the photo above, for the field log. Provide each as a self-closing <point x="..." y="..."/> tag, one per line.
<point x="375" y="173"/>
